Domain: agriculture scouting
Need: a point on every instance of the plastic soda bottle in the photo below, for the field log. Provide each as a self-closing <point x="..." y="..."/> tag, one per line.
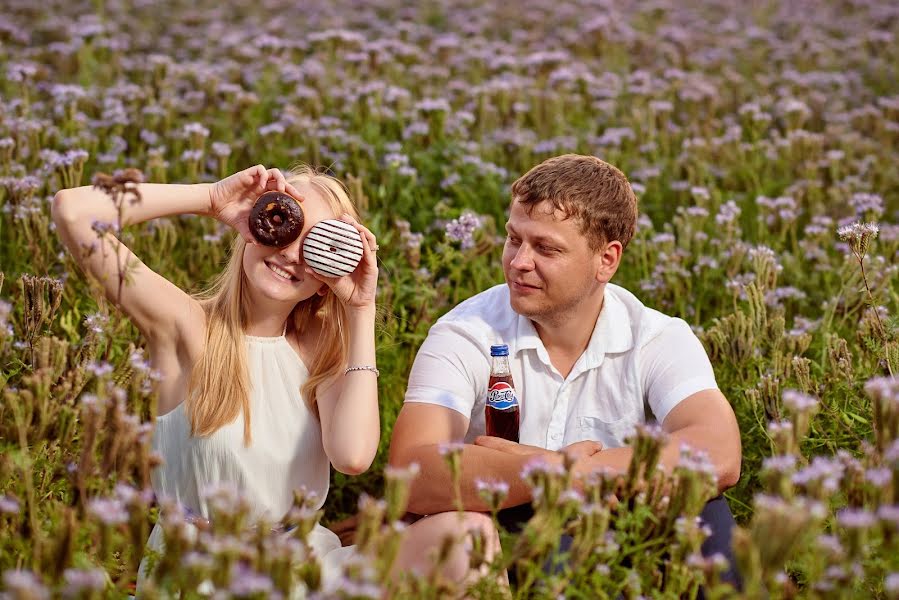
<point x="502" y="411"/>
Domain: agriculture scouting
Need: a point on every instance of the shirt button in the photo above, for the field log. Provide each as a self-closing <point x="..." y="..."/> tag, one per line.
<point x="556" y="436"/>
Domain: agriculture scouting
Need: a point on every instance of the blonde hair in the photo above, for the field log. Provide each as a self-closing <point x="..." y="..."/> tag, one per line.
<point x="214" y="401"/>
<point x="595" y="193"/>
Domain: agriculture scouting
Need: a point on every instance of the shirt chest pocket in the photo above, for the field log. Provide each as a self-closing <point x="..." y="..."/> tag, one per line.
<point x="610" y="433"/>
<point x="611" y="406"/>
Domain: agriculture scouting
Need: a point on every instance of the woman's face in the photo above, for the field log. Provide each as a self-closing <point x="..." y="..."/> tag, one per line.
<point x="279" y="273"/>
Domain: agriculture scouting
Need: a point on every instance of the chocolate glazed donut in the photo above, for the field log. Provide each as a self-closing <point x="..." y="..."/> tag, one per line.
<point x="276" y="219"/>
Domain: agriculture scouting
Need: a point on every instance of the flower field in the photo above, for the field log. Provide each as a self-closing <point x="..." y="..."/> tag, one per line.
<point x="762" y="140"/>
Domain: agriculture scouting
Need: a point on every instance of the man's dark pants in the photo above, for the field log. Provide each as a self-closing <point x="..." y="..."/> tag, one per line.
<point x="716" y="515"/>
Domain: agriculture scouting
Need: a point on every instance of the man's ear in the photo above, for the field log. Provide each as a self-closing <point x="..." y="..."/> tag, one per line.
<point x="608" y="257"/>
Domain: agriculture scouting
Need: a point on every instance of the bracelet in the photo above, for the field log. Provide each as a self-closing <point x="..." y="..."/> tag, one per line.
<point x="363" y="368"/>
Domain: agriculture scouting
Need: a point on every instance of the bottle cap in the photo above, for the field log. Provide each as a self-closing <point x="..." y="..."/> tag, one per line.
<point x="499" y="350"/>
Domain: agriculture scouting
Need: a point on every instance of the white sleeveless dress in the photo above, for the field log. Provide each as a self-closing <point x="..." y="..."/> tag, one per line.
<point x="285" y="453"/>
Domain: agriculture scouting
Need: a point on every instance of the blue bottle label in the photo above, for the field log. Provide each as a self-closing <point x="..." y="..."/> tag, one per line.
<point x="501" y="396"/>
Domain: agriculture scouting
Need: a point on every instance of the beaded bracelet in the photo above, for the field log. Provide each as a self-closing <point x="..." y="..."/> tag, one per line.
<point x="363" y="368"/>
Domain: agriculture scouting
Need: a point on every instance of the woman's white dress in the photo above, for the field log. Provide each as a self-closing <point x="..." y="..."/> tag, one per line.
<point x="285" y="454"/>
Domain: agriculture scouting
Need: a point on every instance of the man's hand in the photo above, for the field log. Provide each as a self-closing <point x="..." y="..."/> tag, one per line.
<point x="581" y="450"/>
<point x="576" y="451"/>
<point x="496" y="443"/>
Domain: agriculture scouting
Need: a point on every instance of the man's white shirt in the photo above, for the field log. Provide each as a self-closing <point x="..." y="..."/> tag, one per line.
<point x="638" y="365"/>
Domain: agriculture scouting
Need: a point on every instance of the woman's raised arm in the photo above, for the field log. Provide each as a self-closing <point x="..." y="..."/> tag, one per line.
<point x="87" y="219"/>
<point x="87" y="222"/>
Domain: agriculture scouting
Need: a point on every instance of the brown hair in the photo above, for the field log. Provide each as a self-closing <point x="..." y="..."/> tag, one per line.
<point x="214" y="401"/>
<point x="592" y="191"/>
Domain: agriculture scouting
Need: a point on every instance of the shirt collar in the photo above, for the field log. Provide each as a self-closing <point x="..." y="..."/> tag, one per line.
<point x="611" y="334"/>
<point x="527" y="338"/>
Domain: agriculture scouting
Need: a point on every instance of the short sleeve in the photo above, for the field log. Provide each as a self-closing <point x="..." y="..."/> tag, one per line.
<point x="673" y="366"/>
<point x="449" y="369"/>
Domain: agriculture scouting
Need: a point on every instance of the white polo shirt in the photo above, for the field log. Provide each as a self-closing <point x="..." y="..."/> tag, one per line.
<point x="638" y="365"/>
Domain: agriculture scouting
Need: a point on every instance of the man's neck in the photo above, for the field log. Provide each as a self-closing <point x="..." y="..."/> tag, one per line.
<point x="565" y="337"/>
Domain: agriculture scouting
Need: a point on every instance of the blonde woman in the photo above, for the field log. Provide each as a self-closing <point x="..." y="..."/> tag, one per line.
<point x="268" y="377"/>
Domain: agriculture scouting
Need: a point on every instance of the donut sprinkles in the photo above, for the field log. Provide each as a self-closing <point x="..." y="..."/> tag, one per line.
<point x="332" y="248"/>
<point x="276" y="219"/>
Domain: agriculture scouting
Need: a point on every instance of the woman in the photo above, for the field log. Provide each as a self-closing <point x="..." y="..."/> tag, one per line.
<point x="270" y="375"/>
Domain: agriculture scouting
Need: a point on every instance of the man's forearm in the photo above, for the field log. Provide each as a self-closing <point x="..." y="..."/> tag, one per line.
<point x="724" y="457"/>
<point x="433" y="492"/>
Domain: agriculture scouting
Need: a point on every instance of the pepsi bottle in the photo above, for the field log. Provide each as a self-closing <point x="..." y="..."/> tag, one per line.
<point x="502" y="411"/>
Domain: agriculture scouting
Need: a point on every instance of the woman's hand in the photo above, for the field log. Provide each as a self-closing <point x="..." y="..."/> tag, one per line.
<point x="358" y="289"/>
<point x="232" y="198"/>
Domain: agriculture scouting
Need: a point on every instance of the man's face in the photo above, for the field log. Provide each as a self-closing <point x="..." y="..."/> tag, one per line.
<point x="548" y="263"/>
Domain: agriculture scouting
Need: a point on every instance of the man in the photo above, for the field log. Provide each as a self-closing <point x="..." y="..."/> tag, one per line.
<point x="589" y="360"/>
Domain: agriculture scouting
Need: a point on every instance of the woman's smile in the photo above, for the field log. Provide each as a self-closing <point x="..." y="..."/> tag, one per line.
<point x="279" y="272"/>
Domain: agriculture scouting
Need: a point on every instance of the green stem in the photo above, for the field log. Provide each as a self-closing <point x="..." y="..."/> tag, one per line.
<point x="880" y="327"/>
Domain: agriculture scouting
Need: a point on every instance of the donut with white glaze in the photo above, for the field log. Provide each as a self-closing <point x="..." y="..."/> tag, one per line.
<point x="332" y="248"/>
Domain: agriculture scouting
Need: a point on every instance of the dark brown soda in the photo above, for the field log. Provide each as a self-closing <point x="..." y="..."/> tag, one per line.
<point x="502" y="423"/>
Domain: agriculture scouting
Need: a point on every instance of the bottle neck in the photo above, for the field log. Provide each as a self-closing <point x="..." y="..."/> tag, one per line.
<point x="500" y="366"/>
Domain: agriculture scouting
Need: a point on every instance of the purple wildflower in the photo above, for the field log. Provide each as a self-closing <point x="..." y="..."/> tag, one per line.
<point x="100" y="369"/>
<point x="24" y="584"/>
<point x="830" y="543"/>
<point x="492" y="487"/>
<point x="856" y="518"/>
<point x="450" y="448"/>
<point x="407" y="473"/>
<point x="9" y="505"/>
<point x="889" y="513"/>
<point x="79" y="581"/>
<point x="221" y="149"/>
<point x="798" y="402"/>
<point x="572" y="496"/>
<point x="195" y="129"/>
<point x="783" y="463"/>
<point x="192" y="155"/>
<point x="108" y="511"/>
<point x="880" y="477"/>
<point x="891" y="583"/>
<point x="867" y="205"/>
<point x="462" y="229"/>
<point x="828" y="472"/>
<point x="150" y="138"/>
<point x="883" y="388"/>
<point x="197" y="560"/>
<point x="540" y="465"/>
<point x="696" y="461"/>
<point x="272" y="129"/>
<point x="246" y="582"/>
<point x="429" y="105"/>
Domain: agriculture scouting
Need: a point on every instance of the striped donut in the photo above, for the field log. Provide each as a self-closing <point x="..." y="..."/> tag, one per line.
<point x="332" y="248"/>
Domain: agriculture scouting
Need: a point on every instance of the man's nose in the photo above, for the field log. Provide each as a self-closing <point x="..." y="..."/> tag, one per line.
<point x="523" y="259"/>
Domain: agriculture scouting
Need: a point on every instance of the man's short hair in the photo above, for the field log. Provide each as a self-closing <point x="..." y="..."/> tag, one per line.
<point x="592" y="191"/>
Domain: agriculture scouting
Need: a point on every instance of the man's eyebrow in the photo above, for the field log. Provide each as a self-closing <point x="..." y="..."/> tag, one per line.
<point x="539" y="238"/>
<point x="553" y="241"/>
